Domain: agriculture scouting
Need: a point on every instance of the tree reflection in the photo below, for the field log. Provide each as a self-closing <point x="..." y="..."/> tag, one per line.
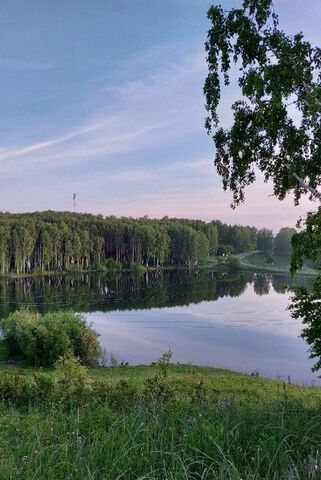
<point x="90" y="293"/>
<point x="280" y="283"/>
<point x="262" y="282"/>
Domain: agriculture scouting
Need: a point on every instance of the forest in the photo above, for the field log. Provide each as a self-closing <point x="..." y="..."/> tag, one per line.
<point x="65" y="241"/>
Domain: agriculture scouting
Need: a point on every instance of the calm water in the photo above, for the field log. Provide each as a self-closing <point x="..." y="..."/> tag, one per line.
<point x="236" y="321"/>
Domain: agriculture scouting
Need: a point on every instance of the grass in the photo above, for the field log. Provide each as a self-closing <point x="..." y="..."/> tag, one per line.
<point x="258" y="261"/>
<point x="3" y="351"/>
<point x="139" y="423"/>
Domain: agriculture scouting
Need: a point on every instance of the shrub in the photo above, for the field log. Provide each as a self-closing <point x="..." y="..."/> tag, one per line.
<point x="164" y="361"/>
<point x="71" y="381"/>
<point x="43" y="339"/>
<point x="137" y="268"/>
<point x="99" y="267"/>
<point x="112" y="264"/>
<point x="74" y="269"/>
<point x="17" y="389"/>
<point x="122" y="395"/>
<point x="157" y="391"/>
<point x="37" y="272"/>
<point x="225" y="250"/>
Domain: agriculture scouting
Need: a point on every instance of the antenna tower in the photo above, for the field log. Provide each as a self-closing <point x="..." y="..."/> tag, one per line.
<point x="74" y="201"/>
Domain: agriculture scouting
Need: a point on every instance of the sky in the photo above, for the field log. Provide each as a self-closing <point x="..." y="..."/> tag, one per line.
<point x="104" y="98"/>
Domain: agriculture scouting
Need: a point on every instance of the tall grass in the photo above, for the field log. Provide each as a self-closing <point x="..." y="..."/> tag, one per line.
<point x="176" y="442"/>
<point x="135" y="423"/>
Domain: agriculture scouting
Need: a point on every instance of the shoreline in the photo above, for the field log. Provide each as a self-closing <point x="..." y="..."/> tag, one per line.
<point x="246" y="265"/>
<point x="216" y="264"/>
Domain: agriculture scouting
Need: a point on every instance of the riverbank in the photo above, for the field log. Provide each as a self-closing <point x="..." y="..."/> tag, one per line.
<point x="257" y="261"/>
<point x="248" y="261"/>
<point x="135" y="270"/>
<point x="147" y="422"/>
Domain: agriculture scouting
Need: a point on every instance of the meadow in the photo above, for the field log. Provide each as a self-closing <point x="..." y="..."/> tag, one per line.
<point x="162" y="421"/>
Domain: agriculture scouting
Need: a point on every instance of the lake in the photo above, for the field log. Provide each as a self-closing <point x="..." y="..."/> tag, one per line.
<point x="235" y="321"/>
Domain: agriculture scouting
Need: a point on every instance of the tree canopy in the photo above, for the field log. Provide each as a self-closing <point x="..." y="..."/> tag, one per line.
<point x="282" y="243"/>
<point x="50" y="241"/>
<point x="276" y="127"/>
<point x="277" y="118"/>
<point x="265" y="242"/>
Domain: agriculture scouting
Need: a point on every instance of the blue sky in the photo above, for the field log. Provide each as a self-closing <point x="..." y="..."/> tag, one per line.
<point x="104" y="98"/>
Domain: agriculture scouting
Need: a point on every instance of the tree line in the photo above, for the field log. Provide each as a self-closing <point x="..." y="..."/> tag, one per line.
<point x="61" y="241"/>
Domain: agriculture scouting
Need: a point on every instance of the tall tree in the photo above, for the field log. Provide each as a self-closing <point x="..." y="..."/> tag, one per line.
<point x="277" y="71"/>
<point x="265" y="242"/>
<point x="282" y="244"/>
<point x="277" y="123"/>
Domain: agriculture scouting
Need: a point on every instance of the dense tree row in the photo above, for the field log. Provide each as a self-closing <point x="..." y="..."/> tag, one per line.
<point x="281" y="245"/>
<point x="52" y="241"/>
<point x="235" y="238"/>
<point x="60" y="241"/>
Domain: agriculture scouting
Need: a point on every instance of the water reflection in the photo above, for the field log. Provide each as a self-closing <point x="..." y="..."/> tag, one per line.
<point x="234" y="321"/>
<point x="90" y="293"/>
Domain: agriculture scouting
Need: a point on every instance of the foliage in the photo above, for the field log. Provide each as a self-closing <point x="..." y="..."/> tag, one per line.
<point x="137" y="268"/>
<point x="275" y="70"/>
<point x="265" y="242"/>
<point x="235" y="238"/>
<point x="157" y="391"/>
<point x="164" y="361"/>
<point x="281" y="264"/>
<point x="43" y="339"/>
<point x="223" y="250"/>
<point x="98" y="267"/>
<point x="276" y="128"/>
<point x="213" y="425"/>
<point x="306" y="306"/>
<point x="113" y="265"/>
<point x="74" y="242"/>
<point x="71" y="380"/>
<point x="282" y="243"/>
<point x="61" y="241"/>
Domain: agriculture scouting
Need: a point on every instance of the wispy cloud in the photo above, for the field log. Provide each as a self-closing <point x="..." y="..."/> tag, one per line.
<point x="149" y="112"/>
<point x="11" y="153"/>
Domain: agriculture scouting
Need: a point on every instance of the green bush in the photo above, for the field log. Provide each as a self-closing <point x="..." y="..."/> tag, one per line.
<point x="43" y="339"/>
<point x="17" y="389"/>
<point x="99" y="267"/>
<point x="74" y="269"/>
<point x="37" y="272"/>
<point x="137" y="268"/>
<point x="157" y="391"/>
<point x="71" y="382"/>
<point x="225" y="250"/>
<point x="112" y="264"/>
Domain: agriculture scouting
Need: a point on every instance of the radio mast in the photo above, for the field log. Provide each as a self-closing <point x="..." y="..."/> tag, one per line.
<point x="74" y="201"/>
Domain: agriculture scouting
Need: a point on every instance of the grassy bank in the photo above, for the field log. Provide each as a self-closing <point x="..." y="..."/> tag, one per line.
<point x="258" y="261"/>
<point x="184" y="422"/>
